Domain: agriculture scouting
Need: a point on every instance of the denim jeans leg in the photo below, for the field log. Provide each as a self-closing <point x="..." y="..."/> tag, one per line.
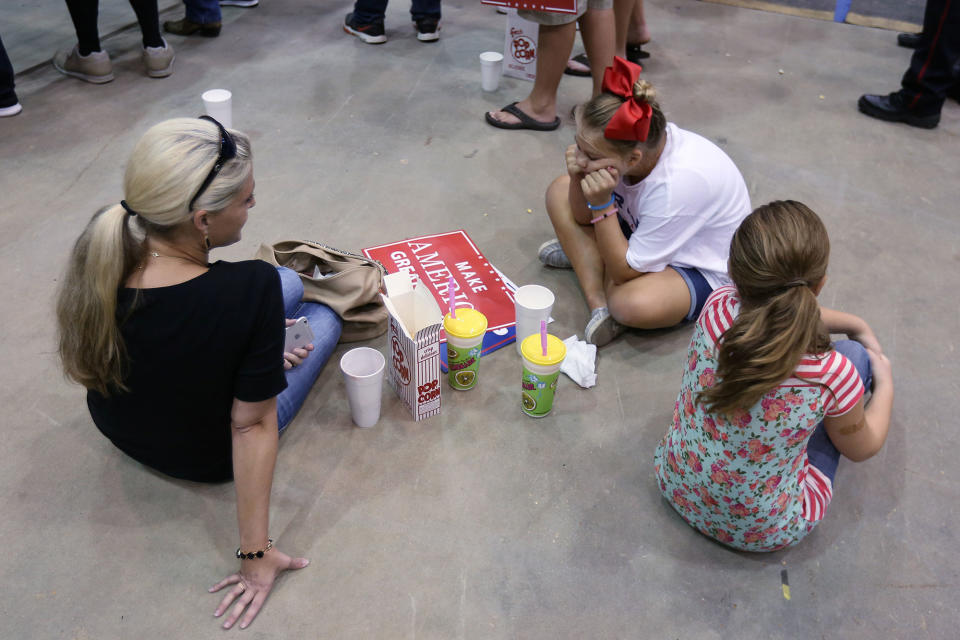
<point x="8" y="96"/>
<point x="326" y="326"/>
<point x="203" y="11"/>
<point x="820" y="450"/>
<point x="369" y="11"/>
<point x="420" y="9"/>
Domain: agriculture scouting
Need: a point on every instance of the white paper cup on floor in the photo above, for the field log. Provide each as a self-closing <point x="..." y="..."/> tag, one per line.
<point x="363" y="376"/>
<point x="491" y="66"/>
<point x="532" y="304"/>
<point x="217" y="104"/>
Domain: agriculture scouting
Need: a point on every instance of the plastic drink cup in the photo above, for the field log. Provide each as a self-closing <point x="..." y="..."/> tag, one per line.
<point x="532" y="304"/>
<point x="363" y="376"/>
<point x="218" y="105"/>
<point x="464" y="342"/>
<point x="540" y="374"/>
<point x="491" y="67"/>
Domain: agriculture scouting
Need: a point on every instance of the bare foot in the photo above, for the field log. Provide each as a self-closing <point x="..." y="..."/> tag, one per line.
<point x="545" y="116"/>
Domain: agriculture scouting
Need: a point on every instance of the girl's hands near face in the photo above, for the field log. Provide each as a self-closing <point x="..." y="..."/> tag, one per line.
<point x="576" y="161"/>
<point x="598" y="184"/>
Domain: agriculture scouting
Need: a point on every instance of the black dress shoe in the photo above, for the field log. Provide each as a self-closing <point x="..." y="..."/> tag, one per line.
<point x="909" y="40"/>
<point x="892" y="109"/>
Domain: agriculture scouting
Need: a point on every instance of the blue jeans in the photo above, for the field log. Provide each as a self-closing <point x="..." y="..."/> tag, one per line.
<point x="370" y="11"/>
<point x="326" y="325"/>
<point x="820" y="450"/>
<point x="203" y="12"/>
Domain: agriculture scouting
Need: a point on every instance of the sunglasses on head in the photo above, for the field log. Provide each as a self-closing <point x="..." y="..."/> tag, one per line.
<point x="228" y="151"/>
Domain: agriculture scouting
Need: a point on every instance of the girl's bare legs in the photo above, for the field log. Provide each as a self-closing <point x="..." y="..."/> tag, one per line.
<point x="622" y="14"/>
<point x="650" y="301"/>
<point x="578" y="242"/>
<point x="637" y="32"/>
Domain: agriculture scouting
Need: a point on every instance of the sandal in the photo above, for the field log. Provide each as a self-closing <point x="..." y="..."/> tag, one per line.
<point x="580" y="59"/>
<point x="526" y="122"/>
<point x="635" y="52"/>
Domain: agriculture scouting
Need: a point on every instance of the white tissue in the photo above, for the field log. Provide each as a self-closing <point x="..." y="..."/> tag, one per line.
<point x="580" y="363"/>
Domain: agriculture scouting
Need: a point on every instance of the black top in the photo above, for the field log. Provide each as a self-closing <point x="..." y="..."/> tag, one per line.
<point x="193" y="348"/>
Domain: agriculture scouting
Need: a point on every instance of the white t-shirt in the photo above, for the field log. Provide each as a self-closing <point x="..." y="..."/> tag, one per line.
<point x="685" y="212"/>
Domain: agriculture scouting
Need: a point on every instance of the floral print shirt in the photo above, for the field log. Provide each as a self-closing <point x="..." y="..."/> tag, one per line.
<point x="744" y="479"/>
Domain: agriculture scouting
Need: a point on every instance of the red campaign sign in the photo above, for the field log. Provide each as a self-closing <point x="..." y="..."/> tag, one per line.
<point x="551" y="6"/>
<point x="437" y="257"/>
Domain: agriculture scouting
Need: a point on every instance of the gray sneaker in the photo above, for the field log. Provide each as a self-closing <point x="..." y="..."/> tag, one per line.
<point x="95" y="68"/>
<point x="158" y="60"/>
<point x="552" y="255"/>
<point x="602" y="328"/>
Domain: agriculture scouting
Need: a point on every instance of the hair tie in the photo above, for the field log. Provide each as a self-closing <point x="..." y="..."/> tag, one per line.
<point x="796" y="283"/>
<point x="632" y="119"/>
<point x="126" y="207"/>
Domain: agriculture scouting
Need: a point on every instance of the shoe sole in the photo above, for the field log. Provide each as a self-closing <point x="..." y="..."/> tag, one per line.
<point x="365" y="36"/>
<point x="9" y="112"/>
<point x="162" y="73"/>
<point x="605" y="332"/>
<point x="206" y="32"/>
<point x="427" y="37"/>
<point x="240" y="3"/>
<point x="923" y="122"/>
<point x="83" y="76"/>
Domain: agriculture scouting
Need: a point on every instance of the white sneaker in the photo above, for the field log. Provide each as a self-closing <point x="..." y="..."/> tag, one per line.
<point x="6" y="112"/>
<point x="239" y="3"/>
<point x="602" y="328"/>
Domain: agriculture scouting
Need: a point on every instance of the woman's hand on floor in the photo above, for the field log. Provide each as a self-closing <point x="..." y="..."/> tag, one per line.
<point x="252" y="584"/>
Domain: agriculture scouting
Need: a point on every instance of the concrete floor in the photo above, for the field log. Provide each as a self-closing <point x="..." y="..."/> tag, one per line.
<point x="481" y="523"/>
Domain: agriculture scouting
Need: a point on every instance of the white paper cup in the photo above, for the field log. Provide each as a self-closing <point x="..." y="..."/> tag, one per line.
<point x="217" y="104"/>
<point x="532" y="303"/>
<point x="363" y="376"/>
<point x="491" y="66"/>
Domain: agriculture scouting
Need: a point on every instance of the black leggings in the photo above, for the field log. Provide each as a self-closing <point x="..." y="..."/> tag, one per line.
<point x="84" y="15"/>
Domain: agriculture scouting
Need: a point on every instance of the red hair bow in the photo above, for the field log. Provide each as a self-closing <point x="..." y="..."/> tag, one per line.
<point x="632" y="119"/>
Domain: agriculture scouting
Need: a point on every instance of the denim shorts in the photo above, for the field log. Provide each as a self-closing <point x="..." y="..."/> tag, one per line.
<point x="555" y="19"/>
<point x="699" y="288"/>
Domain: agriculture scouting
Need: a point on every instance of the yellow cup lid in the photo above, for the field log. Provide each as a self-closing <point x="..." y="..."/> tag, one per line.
<point x="469" y="323"/>
<point x="532" y="350"/>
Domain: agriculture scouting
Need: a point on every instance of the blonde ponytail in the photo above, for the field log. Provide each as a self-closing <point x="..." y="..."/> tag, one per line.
<point x="165" y="170"/>
<point x="91" y="348"/>
<point x="777" y="257"/>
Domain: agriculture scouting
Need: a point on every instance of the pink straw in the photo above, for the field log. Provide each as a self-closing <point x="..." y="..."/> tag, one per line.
<point x="543" y="337"/>
<point x="453" y="307"/>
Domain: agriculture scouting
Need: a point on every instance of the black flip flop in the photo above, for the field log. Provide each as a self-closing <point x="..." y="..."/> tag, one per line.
<point x="635" y="53"/>
<point x="526" y="122"/>
<point x="582" y="59"/>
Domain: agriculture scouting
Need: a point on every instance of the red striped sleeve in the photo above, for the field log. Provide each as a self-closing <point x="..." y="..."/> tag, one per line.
<point x="817" y="493"/>
<point x="719" y="312"/>
<point x="840" y="376"/>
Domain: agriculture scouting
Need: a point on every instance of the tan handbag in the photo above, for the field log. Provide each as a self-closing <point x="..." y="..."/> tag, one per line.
<point x="348" y="283"/>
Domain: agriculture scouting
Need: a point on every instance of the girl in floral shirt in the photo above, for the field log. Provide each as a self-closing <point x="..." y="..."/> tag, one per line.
<point x="767" y="403"/>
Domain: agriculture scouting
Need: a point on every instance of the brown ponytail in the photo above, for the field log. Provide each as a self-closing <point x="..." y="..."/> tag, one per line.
<point x="777" y="257"/>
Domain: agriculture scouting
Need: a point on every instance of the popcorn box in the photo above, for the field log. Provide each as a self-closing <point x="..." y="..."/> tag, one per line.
<point x="520" y="47"/>
<point x="414" y="339"/>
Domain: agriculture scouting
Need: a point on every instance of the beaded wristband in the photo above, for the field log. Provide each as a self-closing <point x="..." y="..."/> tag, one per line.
<point x="600" y="217"/>
<point x="253" y="555"/>
<point x="603" y="206"/>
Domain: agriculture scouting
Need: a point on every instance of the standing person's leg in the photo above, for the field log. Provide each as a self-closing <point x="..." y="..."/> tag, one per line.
<point x="931" y="75"/>
<point x="366" y="21"/>
<point x="540" y="107"/>
<point x="820" y="450"/>
<point x="84" y="15"/>
<point x="637" y="32"/>
<point x="599" y="33"/>
<point x="200" y="16"/>
<point x="86" y="61"/>
<point x="426" y="18"/>
<point x="326" y="326"/>
<point x="9" y="104"/>
<point x="622" y="15"/>
<point x="370" y="11"/>
<point x="149" y="20"/>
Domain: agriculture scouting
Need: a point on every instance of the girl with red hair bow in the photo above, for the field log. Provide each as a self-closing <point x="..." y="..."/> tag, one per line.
<point x="645" y="213"/>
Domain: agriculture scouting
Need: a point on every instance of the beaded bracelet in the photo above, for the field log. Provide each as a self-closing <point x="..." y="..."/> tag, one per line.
<point x="603" y="206"/>
<point x="253" y="555"/>
<point x="600" y="217"/>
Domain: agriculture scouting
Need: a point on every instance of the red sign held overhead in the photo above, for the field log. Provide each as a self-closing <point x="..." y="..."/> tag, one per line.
<point x="551" y="6"/>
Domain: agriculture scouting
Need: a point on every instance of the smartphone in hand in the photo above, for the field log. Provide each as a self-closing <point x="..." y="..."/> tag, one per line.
<point x="299" y="335"/>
